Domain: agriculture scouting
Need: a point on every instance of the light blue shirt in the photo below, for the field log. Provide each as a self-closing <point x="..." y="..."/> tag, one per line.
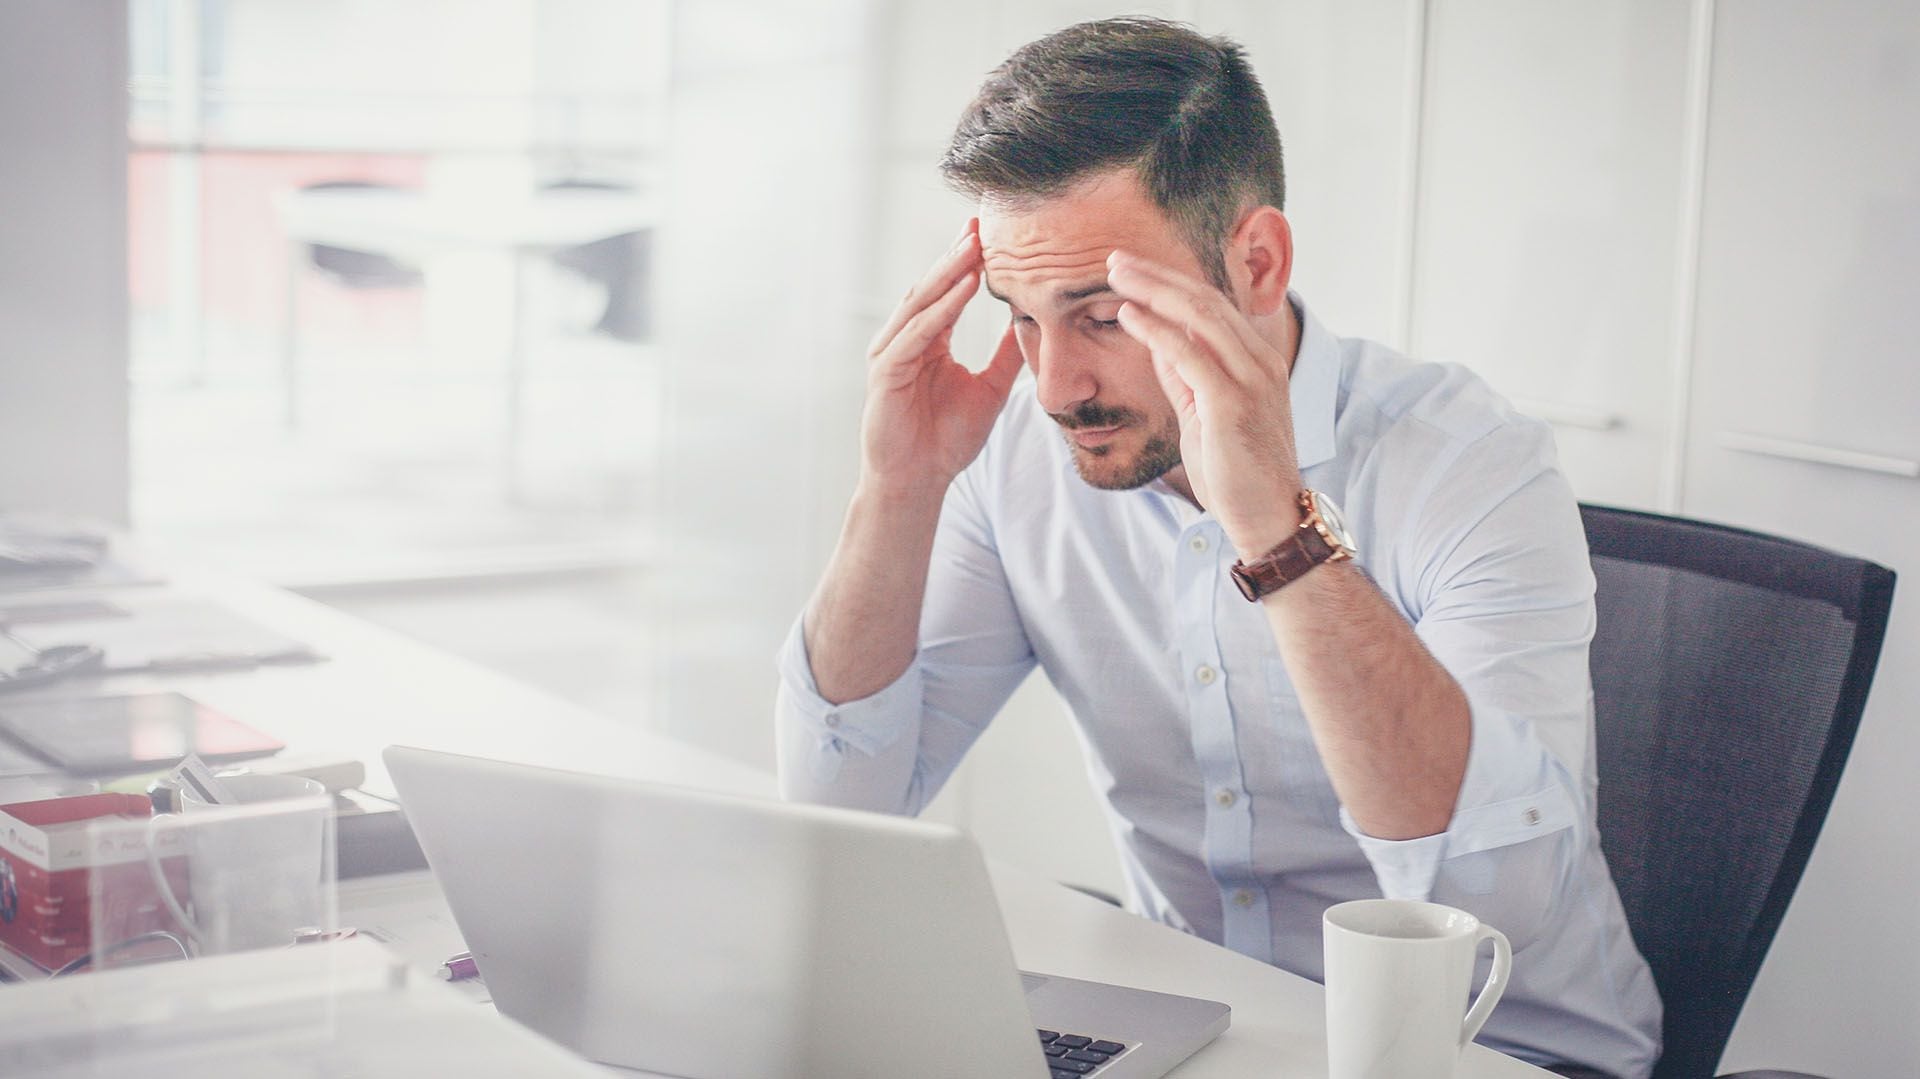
<point x="1226" y="822"/>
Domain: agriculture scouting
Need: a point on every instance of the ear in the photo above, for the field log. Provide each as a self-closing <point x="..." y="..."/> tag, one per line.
<point x="1260" y="259"/>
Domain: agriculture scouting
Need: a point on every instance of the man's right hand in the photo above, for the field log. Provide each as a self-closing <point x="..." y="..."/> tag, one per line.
<point x="927" y="415"/>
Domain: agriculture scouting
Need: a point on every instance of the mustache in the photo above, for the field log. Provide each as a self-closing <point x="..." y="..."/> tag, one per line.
<point x="1090" y="416"/>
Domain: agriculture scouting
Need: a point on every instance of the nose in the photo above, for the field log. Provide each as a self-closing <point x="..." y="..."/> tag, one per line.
<point x="1062" y="378"/>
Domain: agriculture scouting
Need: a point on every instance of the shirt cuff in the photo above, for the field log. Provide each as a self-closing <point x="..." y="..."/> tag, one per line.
<point x="1514" y="791"/>
<point x="1405" y="868"/>
<point x="871" y="724"/>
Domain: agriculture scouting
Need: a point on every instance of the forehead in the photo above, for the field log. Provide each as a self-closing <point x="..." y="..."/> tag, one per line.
<point x="1033" y="250"/>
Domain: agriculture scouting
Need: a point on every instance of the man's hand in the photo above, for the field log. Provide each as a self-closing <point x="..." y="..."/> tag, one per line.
<point x="926" y="419"/>
<point x="926" y="415"/>
<point x="1228" y="385"/>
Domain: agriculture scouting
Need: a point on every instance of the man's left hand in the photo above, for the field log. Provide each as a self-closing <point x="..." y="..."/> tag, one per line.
<point x="1228" y="386"/>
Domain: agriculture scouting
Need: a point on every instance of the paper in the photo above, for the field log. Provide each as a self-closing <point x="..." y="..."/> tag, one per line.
<point x="169" y="632"/>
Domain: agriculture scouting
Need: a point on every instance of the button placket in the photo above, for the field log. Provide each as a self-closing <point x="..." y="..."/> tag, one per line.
<point x="1226" y="832"/>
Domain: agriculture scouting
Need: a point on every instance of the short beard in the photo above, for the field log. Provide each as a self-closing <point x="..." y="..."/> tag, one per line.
<point x="1156" y="458"/>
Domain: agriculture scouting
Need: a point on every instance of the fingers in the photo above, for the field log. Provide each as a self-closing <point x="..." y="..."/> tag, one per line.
<point x="1178" y="393"/>
<point x="1197" y="308"/>
<point x="961" y="258"/>
<point x="931" y="322"/>
<point x="1182" y="363"/>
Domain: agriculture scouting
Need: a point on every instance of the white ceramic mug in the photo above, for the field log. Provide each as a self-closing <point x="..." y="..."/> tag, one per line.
<point x="255" y="869"/>
<point x="1398" y="972"/>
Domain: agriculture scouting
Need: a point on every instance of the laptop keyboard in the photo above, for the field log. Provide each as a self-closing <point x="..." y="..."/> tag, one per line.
<point x="1074" y="1055"/>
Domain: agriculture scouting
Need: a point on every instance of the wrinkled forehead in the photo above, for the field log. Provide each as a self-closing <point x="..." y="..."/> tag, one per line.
<point x="1029" y="274"/>
<point x="1034" y="250"/>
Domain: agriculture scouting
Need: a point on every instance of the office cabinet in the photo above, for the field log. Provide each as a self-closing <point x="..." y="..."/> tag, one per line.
<point x="1807" y="333"/>
<point x="1551" y="161"/>
<point x="1805" y="421"/>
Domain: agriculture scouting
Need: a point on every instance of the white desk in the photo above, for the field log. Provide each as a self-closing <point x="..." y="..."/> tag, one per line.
<point x="345" y="1009"/>
<point x="382" y="688"/>
<point x="413" y="226"/>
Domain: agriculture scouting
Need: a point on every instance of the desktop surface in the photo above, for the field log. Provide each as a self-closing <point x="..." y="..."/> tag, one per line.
<point x="381" y="688"/>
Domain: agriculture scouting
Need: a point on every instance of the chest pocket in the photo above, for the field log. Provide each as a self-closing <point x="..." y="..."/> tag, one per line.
<point x="1302" y="779"/>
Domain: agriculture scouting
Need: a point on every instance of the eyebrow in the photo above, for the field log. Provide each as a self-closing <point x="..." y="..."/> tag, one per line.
<point x="1062" y="297"/>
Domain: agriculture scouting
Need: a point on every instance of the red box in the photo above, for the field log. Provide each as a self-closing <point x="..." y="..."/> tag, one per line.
<point x="52" y="866"/>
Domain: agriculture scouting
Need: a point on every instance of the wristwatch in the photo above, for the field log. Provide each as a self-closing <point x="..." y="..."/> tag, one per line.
<point x="1321" y="537"/>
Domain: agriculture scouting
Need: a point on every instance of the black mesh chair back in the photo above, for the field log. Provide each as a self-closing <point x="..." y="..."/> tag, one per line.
<point x="1730" y="669"/>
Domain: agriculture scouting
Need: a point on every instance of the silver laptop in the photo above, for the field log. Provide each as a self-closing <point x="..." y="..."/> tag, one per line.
<point x="719" y="937"/>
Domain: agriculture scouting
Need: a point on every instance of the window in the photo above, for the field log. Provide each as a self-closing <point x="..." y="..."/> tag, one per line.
<point x="390" y="267"/>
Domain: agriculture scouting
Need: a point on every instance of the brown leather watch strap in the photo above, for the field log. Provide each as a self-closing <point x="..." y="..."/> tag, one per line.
<point x="1286" y="563"/>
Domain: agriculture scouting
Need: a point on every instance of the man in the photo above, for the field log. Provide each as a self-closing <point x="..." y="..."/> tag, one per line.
<point x="1402" y="709"/>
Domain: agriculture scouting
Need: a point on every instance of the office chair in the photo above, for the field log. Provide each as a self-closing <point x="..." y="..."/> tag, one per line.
<point x="1730" y="669"/>
<point x="346" y="266"/>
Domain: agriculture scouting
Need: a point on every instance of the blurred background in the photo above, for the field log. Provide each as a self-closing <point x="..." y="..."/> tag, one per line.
<point x="535" y="328"/>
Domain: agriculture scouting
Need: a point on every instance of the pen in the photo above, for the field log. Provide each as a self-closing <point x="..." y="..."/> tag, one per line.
<point x="460" y="967"/>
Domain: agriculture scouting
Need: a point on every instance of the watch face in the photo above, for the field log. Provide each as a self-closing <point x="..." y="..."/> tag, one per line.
<point x="1336" y="524"/>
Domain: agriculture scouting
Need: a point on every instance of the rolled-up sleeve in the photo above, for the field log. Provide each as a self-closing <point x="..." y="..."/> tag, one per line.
<point x="892" y="751"/>
<point x="1505" y="604"/>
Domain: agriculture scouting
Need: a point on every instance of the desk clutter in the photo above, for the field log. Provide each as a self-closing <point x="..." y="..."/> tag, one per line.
<point x="40" y="551"/>
<point x="157" y="631"/>
<point x="203" y="865"/>
<point x="54" y="864"/>
<point x="126" y="733"/>
<point x="108" y="855"/>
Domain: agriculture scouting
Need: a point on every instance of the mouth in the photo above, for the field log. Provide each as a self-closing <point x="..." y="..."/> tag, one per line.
<point x="1089" y="437"/>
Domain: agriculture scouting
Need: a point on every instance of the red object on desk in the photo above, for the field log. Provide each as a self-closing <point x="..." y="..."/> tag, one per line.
<point x="52" y="866"/>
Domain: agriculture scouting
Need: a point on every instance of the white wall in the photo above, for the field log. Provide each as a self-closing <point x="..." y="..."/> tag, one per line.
<point x="1656" y="224"/>
<point x="63" y="257"/>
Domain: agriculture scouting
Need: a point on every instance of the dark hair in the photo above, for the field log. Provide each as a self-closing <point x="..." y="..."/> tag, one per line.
<point x="1182" y="109"/>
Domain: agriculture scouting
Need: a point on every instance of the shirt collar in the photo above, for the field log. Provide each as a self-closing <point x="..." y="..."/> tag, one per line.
<point x="1314" y="387"/>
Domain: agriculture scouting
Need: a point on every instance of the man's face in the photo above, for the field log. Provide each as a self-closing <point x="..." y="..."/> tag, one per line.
<point x="1048" y="262"/>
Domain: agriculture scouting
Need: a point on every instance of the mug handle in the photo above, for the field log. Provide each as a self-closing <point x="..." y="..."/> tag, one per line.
<point x="159" y="876"/>
<point x="1496" y="983"/>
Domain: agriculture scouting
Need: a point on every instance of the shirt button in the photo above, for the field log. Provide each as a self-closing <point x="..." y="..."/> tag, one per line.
<point x="1225" y="798"/>
<point x="1205" y="675"/>
<point x="1243" y="899"/>
<point x="1532" y="815"/>
<point x="832" y="720"/>
<point x="1198" y="543"/>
